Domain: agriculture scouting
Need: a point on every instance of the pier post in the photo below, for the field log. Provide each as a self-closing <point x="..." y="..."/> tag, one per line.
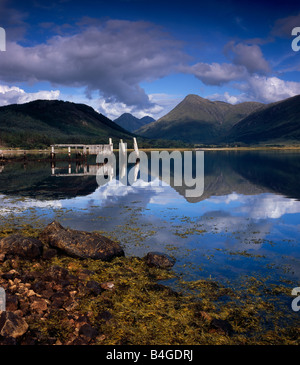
<point x="111" y="145"/>
<point x="122" y="146"/>
<point x="52" y="154"/>
<point x="135" y="146"/>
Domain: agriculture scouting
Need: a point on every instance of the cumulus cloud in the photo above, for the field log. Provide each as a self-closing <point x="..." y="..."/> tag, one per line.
<point x="15" y="95"/>
<point x="216" y="73"/>
<point x="160" y="105"/>
<point x="246" y="60"/>
<point x="269" y="89"/>
<point x="249" y="56"/>
<point x="261" y="206"/>
<point x="260" y="88"/>
<point x="112" y="59"/>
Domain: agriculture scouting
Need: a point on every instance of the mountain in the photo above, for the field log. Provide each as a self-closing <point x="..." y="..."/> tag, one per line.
<point x="44" y="122"/>
<point x="131" y="123"/>
<point x="198" y="120"/>
<point x="277" y="122"/>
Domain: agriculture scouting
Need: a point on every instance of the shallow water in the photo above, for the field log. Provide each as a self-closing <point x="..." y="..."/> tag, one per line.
<point x="246" y="223"/>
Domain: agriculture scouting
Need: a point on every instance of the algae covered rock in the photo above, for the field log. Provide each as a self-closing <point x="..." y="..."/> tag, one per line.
<point x="160" y="260"/>
<point x="81" y="244"/>
<point x="18" y="245"/>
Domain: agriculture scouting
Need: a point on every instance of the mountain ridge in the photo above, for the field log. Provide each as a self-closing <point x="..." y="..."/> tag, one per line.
<point x="196" y="119"/>
<point x="279" y="121"/>
<point x="44" y="122"/>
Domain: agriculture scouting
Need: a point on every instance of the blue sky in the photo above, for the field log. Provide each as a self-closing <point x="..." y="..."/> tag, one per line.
<point x="144" y="57"/>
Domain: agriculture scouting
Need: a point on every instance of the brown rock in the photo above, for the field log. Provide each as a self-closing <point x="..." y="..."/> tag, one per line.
<point x="87" y="331"/>
<point x="39" y="305"/>
<point x="159" y="260"/>
<point x="12" y="325"/>
<point x="56" y="273"/>
<point x="108" y="285"/>
<point x="58" y="299"/>
<point x="93" y="287"/>
<point x="17" y="245"/>
<point x="81" y="244"/>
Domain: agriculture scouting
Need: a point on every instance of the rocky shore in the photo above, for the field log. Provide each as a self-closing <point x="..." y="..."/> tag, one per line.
<point x="68" y="287"/>
<point x="44" y="301"/>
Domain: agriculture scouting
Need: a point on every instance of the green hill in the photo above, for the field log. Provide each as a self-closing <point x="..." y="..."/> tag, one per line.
<point x="198" y="120"/>
<point x="42" y="122"/>
<point x="278" y="123"/>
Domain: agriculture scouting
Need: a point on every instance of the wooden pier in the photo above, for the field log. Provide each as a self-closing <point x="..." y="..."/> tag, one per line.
<point x="82" y="150"/>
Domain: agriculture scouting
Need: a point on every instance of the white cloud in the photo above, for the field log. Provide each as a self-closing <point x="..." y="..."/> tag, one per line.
<point x="261" y="206"/>
<point x="216" y="73"/>
<point x="269" y="89"/>
<point x="231" y="99"/>
<point x="260" y="88"/>
<point x="15" y="95"/>
<point x="161" y="104"/>
<point x="246" y="60"/>
<point x="112" y="58"/>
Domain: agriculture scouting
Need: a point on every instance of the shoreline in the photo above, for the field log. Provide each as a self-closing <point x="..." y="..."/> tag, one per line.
<point x="56" y="299"/>
<point x="17" y="151"/>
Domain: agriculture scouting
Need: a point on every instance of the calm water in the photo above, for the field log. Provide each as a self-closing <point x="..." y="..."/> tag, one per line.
<point x="247" y="222"/>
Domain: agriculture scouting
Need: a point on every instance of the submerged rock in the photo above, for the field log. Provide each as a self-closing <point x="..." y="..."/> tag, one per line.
<point x="81" y="244"/>
<point x="18" y="245"/>
<point x="160" y="260"/>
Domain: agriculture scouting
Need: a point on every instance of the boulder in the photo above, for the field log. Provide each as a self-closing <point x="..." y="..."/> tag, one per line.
<point x="159" y="260"/>
<point x="12" y="325"/>
<point x="18" y="245"/>
<point x="80" y="244"/>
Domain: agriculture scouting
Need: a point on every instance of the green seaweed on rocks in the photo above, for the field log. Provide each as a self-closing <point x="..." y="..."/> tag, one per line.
<point x="124" y="301"/>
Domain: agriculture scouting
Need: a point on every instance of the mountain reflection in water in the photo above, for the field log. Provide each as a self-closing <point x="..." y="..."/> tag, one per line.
<point x="250" y="203"/>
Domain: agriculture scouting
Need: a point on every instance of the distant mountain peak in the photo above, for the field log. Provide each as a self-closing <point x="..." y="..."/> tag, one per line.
<point x="131" y="123"/>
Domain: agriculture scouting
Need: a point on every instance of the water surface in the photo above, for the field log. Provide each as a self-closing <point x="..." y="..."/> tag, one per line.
<point x="246" y="223"/>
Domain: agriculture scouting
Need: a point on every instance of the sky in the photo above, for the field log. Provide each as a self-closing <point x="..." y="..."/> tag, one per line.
<point x="144" y="56"/>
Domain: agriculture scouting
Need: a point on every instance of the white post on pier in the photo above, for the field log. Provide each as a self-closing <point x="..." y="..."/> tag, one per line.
<point x="122" y="146"/>
<point x="52" y="155"/>
<point x="111" y="145"/>
<point x="135" y="146"/>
